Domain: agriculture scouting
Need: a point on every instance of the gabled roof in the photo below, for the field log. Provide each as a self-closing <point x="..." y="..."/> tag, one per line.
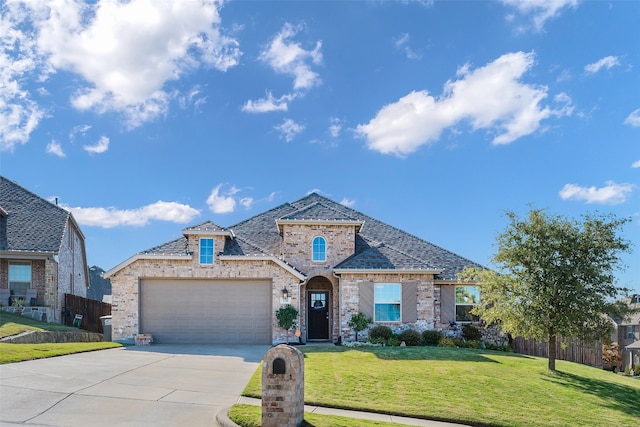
<point x="33" y="224"/>
<point x="379" y="246"/>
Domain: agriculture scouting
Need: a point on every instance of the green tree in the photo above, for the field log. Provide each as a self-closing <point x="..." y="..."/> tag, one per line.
<point x="555" y="276"/>
<point x="359" y="322"/>
<point x="286" y="316"/>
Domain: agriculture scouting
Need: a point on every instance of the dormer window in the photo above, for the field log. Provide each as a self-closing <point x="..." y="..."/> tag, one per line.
<point x="206" y="251"/>
<point x="319" y="249"/>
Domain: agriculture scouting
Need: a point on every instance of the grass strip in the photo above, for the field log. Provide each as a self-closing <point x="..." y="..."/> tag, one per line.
<point x="11" y="353"/>
<point x="251" y="416"/>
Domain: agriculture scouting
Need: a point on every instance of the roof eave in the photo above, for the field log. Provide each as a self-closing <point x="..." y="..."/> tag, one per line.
<point x="26" y="254"/>
<point x="357" y="223"/>
<point x="138" y="257"/>
<point x="386" y="271"/>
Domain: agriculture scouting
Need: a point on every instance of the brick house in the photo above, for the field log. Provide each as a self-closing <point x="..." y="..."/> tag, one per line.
<point x="224" y="284"/>
<point x="628" y="334"/>
<point x="42" y="251"/>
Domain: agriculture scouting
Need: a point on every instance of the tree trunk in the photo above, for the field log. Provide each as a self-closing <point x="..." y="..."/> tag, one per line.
<point x="553" y="345"/>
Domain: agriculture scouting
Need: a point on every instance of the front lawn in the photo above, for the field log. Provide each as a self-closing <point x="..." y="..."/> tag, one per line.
<point x="12" y="324"/>
<point x="465" y="385"/>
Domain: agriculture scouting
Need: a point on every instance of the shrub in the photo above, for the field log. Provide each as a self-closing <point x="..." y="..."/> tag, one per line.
<point x="636" y="370"/>
<point x="471" y="333"/>
<point x="627" y="371"/>
<point x="431" y="337"/>
<point x="380" y="331"/>
<point x="410" y="337"/>
<point x="393" y="341"/>
<point x="446" y="342"/>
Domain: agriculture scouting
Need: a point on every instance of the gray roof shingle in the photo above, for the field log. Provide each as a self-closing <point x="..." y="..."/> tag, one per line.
<point x="31" y="223"/>
<point x="378" y="245"/>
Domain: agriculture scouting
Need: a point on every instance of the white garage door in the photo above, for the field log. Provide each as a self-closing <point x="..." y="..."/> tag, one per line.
<point x="206" y="311"/>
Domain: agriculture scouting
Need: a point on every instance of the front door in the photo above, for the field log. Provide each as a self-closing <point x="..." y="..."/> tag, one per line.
<point x="318" y="309"/>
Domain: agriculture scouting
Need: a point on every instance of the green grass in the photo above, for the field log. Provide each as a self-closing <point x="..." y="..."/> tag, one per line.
<point x="12" y="324"/>
<point x="469" y="386"/>
<point x="11" y="353"/>
<point x="250" y="416"/>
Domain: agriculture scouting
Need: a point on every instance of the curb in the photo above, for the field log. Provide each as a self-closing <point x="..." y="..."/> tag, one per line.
<point x="222" y="418"/>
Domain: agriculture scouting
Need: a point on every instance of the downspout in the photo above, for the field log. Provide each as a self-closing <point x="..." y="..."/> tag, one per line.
<point x="339" y="306"/>
<point x="306" y="323"/>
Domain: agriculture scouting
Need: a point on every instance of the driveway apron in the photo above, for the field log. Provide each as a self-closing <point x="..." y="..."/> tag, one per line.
<point x="159" y="385"/>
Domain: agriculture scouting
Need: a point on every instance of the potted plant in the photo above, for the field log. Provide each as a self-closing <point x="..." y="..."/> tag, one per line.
<point x="286" y="316"/>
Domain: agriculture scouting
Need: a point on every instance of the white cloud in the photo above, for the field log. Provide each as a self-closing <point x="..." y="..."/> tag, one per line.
<point x="490" y="97"/>
<point x="348" y="202"/>
<point x="540" y="10"/>
<point x="289" y="129"/>
<point x="402" y="44"/>
<point x="56" y="149"/>
<point x="112" y="217"/>
<point x="19" y="114"/>
<point x="268" y="104"/>
<point x="125" y="52"/>
<point x="98" y="148"/>
<point x="221" y="203"/>
<point x="607" y="62"/>
<point x="246" y="202"/>
<point x="336" y="127"/>
<point x="633" y="119"/>
<point x="287" y="57"/>
<point x="610" y="194"/>
<point x="636" y="164"/>
<point x="78" y="130"/>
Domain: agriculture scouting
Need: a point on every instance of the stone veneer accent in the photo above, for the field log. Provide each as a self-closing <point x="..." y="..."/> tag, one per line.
<point x="350" y="292"/>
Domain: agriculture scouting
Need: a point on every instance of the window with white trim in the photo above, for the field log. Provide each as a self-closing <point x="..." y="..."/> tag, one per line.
<point x="467" y="297"/>
<point x="319" y="249"/>
<point x="206" y="251"/>
<point x="386" y="301"/>
<point x="630" y="332"/>
<point x="19" y="278"/>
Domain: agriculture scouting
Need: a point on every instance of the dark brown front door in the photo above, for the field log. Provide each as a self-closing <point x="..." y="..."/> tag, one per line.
<point x="318" y="309"/>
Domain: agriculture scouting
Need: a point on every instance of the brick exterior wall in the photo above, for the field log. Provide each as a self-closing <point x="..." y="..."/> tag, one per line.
<point x="427" y="309"/>
<point x="126" y="284"/>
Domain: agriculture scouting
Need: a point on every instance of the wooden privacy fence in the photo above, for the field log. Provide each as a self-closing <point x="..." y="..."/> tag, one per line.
<point x="90" y="310"/>
<point x="567" y="349"/>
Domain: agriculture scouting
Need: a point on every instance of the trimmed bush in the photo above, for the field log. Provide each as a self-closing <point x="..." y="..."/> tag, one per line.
<point x="471" y="333"/>
<point x="380" y="331"/>
<point x="446" y="342"/>
<point x="410" y="337"/>
<point x="431" y="337"/>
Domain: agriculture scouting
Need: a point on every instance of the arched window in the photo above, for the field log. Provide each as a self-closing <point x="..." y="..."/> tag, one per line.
<point x="319" y="249"/>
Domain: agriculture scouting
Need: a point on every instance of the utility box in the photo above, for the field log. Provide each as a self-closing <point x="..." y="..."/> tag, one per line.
<point x="106" y="328"/>
<point x="283" y="387"/>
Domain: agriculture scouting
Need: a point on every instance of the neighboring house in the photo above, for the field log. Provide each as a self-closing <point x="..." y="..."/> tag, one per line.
<point x="629" y="333"/>
<point x="42" y="251"/>
<point x="224" y="285"/>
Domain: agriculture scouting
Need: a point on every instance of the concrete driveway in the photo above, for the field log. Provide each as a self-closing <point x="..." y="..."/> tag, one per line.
<point x="159" y="385"/>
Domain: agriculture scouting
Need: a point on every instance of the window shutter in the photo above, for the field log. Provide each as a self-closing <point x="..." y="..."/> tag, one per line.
<point x="447" y="303"/>
<point x="366" y="299"/>
<point x="409" y="302"/>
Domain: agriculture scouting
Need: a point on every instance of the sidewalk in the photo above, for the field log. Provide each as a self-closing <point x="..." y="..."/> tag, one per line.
<point x="224" y="421"/>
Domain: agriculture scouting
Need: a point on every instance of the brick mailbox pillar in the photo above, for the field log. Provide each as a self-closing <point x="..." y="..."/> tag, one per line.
<point x="283" y="387"/>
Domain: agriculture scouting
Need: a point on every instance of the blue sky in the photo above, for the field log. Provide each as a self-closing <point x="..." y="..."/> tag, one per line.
<point x="146" y="117"/>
